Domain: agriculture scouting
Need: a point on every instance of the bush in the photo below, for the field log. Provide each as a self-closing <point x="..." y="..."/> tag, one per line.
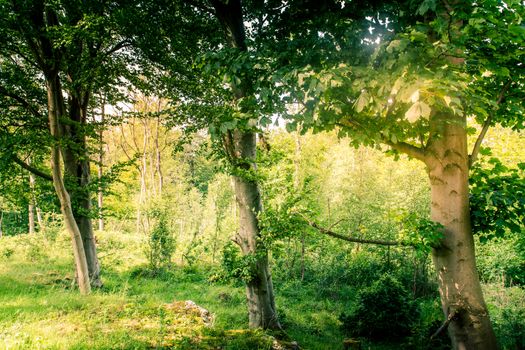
<point x="161" y="245"/>
<point x="507" y="311"/>
<point x="383" y="311"/>
<point x="503" y="260"/>
<point x="430" y="319"/>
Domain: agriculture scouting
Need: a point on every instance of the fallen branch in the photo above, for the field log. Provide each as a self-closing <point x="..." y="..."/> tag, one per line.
<point x="352" y="239"/>
<point x="445" y="324"/>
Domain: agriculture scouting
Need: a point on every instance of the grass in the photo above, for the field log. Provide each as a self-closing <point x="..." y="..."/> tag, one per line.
<point x="40" y="307"/>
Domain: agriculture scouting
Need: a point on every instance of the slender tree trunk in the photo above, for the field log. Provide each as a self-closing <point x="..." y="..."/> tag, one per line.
<point x="158" y="158"/>
<point x="242" y="146"/>
<point x="259" y="290"/>
<point x="39" y="218"/>
<point x="297" y="185"/>
<point x="100" y="171"/>
<point x="55" y="112"/>
<point x="459" y="285"/>
<point x="31" y="207"/>
<point x="1" y="220"/>
<point x="31" y="217"/>
<point x="143" y="171"/>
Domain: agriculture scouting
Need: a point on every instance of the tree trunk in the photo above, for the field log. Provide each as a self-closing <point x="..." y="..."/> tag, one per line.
<point x="241" y="146"/>
<point x="454" y="261"/>
<point x="39" y="218"/>
<point x="31" y="218"/>
<point x="259" y="291"/>
<point x="158" y="157"/>
<point x="100" y="172"/>
<point x="78" y="176"/>
<point x="31" y="207"/>
<point x="55" y="112"/>
<point x="297" y="187"/>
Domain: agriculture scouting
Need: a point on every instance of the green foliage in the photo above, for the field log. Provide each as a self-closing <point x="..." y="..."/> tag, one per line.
<point x="382" y="311"/>
<point x="497" y="199"/>
<point x="429" y="320"/>
<point x="502" y="260"/>
<point x="420" y="232"/>
<point x="161" y="245"/>
<point x="507" y="312"/>
<point x="235" y="267"/>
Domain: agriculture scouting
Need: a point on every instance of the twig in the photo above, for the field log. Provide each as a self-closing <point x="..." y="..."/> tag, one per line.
<point x="445" y="324"/>
<point x="475" y="150"/>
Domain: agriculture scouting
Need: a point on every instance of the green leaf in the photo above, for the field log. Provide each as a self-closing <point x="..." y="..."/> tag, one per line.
<point x="362" y="101"/>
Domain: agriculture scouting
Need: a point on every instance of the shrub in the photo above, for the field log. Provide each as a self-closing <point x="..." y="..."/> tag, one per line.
<point x="161" y="245"/>
<point x="429" y="321"/>
<point x="507" y="311"/>
<point x="503" y="260"/>
<point x="383" y="311"/>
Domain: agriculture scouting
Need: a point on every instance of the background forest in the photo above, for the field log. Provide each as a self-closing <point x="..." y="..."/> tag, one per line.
<point x="249" y="175"/>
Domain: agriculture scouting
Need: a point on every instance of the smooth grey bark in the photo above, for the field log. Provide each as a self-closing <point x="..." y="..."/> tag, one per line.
<point x="241" y="145"/>
<point x="259" y="291"/>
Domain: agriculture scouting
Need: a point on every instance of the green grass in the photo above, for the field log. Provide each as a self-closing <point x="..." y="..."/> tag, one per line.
<point x="40" y="307"/>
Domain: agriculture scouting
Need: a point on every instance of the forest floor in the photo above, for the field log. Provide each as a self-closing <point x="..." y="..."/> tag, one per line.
<point x="41" y="309"/>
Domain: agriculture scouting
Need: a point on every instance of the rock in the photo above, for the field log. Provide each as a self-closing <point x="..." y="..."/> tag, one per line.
<point x="206" y="316"/>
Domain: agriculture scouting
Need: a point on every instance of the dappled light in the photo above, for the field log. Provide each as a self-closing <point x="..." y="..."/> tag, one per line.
<point x="227" y="174"/>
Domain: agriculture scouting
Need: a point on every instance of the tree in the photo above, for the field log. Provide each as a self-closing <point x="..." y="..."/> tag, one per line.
<point x="415" y="93"/>
<point x="65" y="50"/>
<point x="232" y="92"/>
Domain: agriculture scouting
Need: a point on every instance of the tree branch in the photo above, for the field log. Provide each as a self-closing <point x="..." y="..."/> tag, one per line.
<point x="120" y="45"/>
<point x="477" y="145"/>
<point x="351" y="239"/>
<point x="22" y="102"/>
<point x="31" y="169"/>
<point x="403" y="147"/>
<point x="408" y="149"/>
